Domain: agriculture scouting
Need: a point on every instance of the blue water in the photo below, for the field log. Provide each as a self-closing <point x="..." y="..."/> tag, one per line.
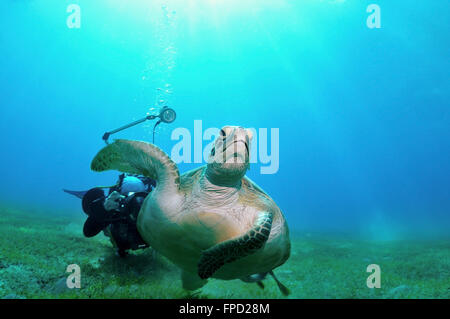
<point x="363" y="114"/>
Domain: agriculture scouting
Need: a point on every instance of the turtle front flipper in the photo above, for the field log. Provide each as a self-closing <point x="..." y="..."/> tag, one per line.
<point x="138" y="158"/>
<point x="228" y="251"/>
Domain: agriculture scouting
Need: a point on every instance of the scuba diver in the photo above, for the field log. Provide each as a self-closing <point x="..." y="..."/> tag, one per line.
<point x="116" y="212"/>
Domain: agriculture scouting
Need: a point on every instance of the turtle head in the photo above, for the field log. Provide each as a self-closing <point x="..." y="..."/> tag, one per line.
<point x="230" y="156"/>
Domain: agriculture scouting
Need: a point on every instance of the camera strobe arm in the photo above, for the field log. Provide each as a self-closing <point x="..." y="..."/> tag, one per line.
<point x="108" y="134"/>
<point x="166" y="115"/>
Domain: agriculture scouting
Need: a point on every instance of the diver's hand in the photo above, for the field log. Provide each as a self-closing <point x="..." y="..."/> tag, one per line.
<point x="112" y="202"/>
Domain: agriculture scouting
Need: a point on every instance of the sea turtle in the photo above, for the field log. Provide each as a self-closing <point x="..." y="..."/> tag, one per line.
<point x="212" y="221"/>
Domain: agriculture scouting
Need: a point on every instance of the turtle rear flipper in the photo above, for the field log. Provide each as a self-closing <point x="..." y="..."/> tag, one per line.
<point x="228" y="251"/>
<point x="191" y="281"/>
<point x="284" y="290"/>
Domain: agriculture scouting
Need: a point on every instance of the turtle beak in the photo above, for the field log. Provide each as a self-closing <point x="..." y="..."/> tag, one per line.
<point x="249" y="134"/>
<point x="230" y="143"/>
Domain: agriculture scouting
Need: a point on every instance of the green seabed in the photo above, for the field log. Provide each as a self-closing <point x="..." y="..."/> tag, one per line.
<point x="35" y="250"/>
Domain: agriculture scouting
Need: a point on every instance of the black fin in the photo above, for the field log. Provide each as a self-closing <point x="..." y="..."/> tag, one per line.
<point x="90" y="197"/>
<point x="93" y="226"/>
<point x="79" y="194"/>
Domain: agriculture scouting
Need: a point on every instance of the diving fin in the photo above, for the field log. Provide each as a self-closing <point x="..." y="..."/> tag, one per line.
<point x="79" y="194"/>
<point x="284" y="290"/>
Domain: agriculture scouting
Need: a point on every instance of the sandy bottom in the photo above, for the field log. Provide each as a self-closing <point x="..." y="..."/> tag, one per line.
<point x="35" y="251"/>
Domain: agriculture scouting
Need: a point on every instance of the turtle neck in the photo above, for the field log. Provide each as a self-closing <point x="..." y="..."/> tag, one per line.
<point x="223" y="181"/>
<point x="223" y="191"/>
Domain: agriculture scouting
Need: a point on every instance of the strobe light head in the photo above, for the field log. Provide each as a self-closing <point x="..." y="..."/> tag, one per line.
<point x="167" y="115"/>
